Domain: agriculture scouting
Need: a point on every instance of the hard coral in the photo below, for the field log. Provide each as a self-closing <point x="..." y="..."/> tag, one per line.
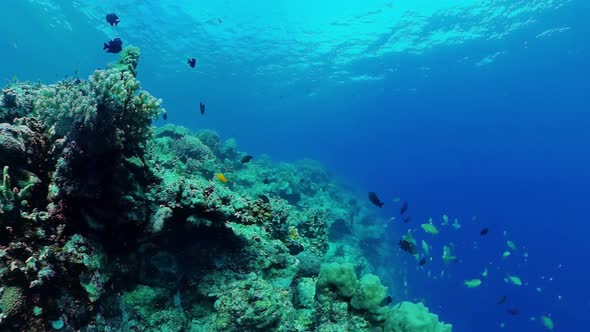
<point x="250" y="305"/>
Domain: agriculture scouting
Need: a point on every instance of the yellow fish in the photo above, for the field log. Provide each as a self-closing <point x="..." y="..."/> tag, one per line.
<point x="293" y="232"/>
<point x="221" y="177"/>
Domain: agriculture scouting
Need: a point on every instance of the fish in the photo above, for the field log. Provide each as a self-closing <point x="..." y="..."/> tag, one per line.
<point x="502" y="299"/>
<point x="246" y="159"/>
<point x="473" y="283"/>
<point x="113" y="46"/>
<point x="386" y="301"/>
<point x="513" y="280"/>
<point x="425" y="248"/>
<point x="375" y="199"/>
<point x="511" y="245"/>
<point x="513" y="311"/>
<point x="447" y="255"/>
<point x="293" y="233"/>
<point x="484" y="231"/>
<point x="221" y="177"/>
<point x="165" y="116"/>
<point x="192" y="62"/>
<point x="202" y="108"/>
<point x="404" y="208"/>
<point x="113" y="19"/>
<point x="429" y="228"/>
<point x="547" y="322"/>
<point x="407" y="246"/>
<point x="423" y="261"/>
<point x="407" y="219"/>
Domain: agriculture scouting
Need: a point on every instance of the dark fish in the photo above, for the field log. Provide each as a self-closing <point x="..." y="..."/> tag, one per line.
<point x="407" y="219"/>
<point x="375" y="199"/>
<point x="266" y="181"/>
<point x="77" y="81"/>
<point x="113" y="19"/>
<point x="513" y="311"/>
<point x="246" y="159"/>
<point x="502" y="299"/>
<point x="423" y="261"/>
<point x="407" y="246"/>
<point x="219" y="20"/>
<point x="192" y="62"/>
<point x="165" y="116"/>
<point x="404" y="208"/>
<point x="484" y="231"/>
<point x="386" y="301"/>
<point x="202" y="108"/>
<point x="113" y="46"/>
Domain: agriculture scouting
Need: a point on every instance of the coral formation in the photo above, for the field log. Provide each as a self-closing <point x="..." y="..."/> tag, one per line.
<point x="109" y="225"/>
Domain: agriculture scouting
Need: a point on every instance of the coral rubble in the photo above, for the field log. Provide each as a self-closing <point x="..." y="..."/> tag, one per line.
<point x="107" y="224"/>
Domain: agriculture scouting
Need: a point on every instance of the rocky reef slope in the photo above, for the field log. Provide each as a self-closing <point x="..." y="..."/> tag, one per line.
<point x="107" y="224"/>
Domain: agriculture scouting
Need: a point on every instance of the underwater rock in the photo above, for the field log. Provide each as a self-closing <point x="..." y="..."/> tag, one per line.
<point x="411" y="317"/>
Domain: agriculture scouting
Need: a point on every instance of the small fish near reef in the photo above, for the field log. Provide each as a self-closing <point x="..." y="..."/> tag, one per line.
<point x="407" y="219"/>
<point x="484" y="231"/>
<point x="113" y="19"/>
<point x="221" y="177"/>
<point x="293" y="233"/>
<point x="202" y="108"/>
<point x="375" y="199"/>
<point x="165" y="116"/>
<point x="246" y="159"/>
<point x="113" y="46"/>
<point x="408" y="246"/>
<point x="386" y="301"/>
<point x="423" y="261"/>
<point x="404" y="208"/>
<point x="192" y="62"/>
<point x="502" y="299"/>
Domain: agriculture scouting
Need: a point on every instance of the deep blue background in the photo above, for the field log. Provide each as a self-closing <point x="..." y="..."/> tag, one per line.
<point x="508" y="142"/>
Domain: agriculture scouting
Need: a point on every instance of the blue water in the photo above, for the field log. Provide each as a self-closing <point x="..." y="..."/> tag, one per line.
<point x="464" y="108"/>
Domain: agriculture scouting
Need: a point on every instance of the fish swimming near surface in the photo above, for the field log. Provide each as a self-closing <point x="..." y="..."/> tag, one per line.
<point x="192" y="62"/>
<point x="113" y="46"/>
<point x="502" y="299"/>
<point x="113" y="19"/>
<point x="404" y="208"/>
<point x="375" y="199"/>
<point x="221" y="177"/>
<point x="246" y="159"/>
<point x="202" y="108"/>
<point x="407" y="246"/>
<point x="484" y="231"/>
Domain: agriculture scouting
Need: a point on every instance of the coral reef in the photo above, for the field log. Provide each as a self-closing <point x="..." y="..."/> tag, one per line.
<point x="107" y="224"/>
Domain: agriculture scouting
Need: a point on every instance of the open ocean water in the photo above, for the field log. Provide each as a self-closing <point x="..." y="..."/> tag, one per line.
<point x="473" y="110"/>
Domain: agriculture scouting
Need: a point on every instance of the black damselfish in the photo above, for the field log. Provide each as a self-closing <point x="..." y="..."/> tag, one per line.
<point x="375" y="199"/>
